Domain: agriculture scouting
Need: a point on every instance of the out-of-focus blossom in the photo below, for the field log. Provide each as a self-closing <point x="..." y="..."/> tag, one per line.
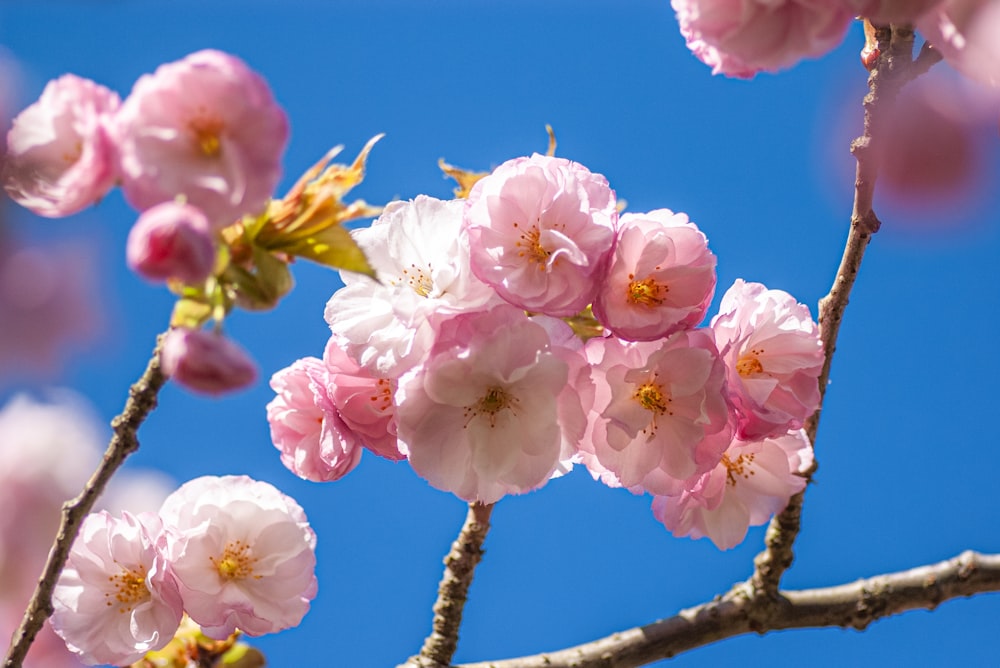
<point x="60" y="154"/>
<point x="419" y="252"/>
<point x="661" y="278"/>
<point x="206" y="127"/>
<point x="206" y="362"/>
<point x="480" y="417"/>
<point x="48" y="304"/>
<point x="366" y="403"/>
<point x="967" y="33"/>
<point x="931" y="148"/>
<point x="114" y="600"/>
<point x="242" y="554"/>
<point x="773" y="357"/>
<point x="306" y="427"/>
<point x="171" y="240"/>
<point x="753" y="481"/>
<point x="892" y="11"/>
<point x="540" y="233"/>
<point x="660" y="414"/>
<point x="740" y="38"/>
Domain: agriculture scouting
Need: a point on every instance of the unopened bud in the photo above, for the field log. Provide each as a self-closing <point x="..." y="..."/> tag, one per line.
<point x="206" y="362"/>
<point x="171" y="240"/>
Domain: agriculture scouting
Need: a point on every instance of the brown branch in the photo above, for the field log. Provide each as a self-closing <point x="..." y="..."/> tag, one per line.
<point x="895" y="67"/>
<point x="141" y="400"/>
<point x="853" y="605"/>
<point x="460" y="566"/>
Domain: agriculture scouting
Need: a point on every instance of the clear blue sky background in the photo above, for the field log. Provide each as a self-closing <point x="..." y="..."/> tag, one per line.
<point x="908" y="472"/>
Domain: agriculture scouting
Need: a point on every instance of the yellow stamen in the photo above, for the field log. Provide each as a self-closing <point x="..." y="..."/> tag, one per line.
<point x="749" y="363"/>
<point x="492" y="403"/>
<point x="740" y="467"/>
<point x="647" y="292"/>
<point x="130" y="589"/>
<point x="236" y="562"/>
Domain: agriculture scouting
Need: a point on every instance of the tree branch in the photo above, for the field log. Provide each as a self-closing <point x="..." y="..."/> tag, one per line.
<point x="740" y="611"/>
<point x="141" y="400"/>
<point x="460" y="566"/>
<point x="894" y="69"/>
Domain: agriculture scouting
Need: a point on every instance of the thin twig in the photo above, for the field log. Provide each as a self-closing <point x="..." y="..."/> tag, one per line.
<point x="895" y="67"/>
<point x="853" y="605"/>
<point x="141" y="400"/>
<point x="460" y="566"/>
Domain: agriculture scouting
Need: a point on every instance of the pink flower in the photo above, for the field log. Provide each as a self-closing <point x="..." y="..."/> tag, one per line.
<point x="740" y="38"/>
<point x="540" y="232"/>
<point x="60" y="155"/>
<point x="753" y="481"/>
<point x="366" y="403"/>
<point x="421" y="255"/>
<point x="306" y="427"/>
<point x="892" y="11"/>
<point x="171" y="240"/>
<point x="208" y="128"/>
<point x="114" y="600"/>
<point x="206" y="362"/>
<point x="773" y="357"/>
<point x="661" y="278"/>
<point x="660" y="414"/>
<point x="48" y="302"/>
<point x="967" y="33"/>
<point x="242" y="554"/>
<point x="480" y="417"/>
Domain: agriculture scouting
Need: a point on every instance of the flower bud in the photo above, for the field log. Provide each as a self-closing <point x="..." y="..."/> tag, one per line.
<point x="206" y="362"/>
<point x="171" y="240"/>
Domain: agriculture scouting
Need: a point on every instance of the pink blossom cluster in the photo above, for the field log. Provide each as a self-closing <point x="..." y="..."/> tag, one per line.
<point x="740" y="38"/>
<point x="462" y="357"/>
<point x="230" y="552"/>
<point x="195" y="146"/>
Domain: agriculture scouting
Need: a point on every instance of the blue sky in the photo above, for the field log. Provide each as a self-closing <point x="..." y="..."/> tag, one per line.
<point x="907" y="474"/>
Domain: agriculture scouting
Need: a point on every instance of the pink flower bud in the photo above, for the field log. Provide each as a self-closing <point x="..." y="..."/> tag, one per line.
<point x="60" y="156"/>
<point x="206" y="362"/>
<point x="171" y="240"/>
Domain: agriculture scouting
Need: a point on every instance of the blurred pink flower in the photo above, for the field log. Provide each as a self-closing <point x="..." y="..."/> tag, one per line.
<point x="892" y="11"/>
<point x="306" y="427"/>
<point x="967" y="33"/>
<point x="480" y="418"/>
<point x="661" y="278"/>
<point x="740" y="38"/>
<point x="421" y="255"/>
<point x="206" y="362"/>
<point x="242" y="554"/>
<point x="660" y="414"/>
<point x="48" y="303"/>
<point x="773" y="358"/>
<point x="541" y="230"/>
<point x="114" y="601"/>
<point x="206" y="127"/>
<point x="753" y="481"/>
<point x="171" y="240"/>
<point x="60" y="155"/>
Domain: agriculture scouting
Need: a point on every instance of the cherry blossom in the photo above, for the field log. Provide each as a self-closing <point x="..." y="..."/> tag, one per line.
<point x="171" y="240"/>
<point x="967" y="33"/>
<point x="661" y="278"/>
<point x="306" y="426"/>
<point x="242" y="554"/>
<point x="740" y="38"/>
<point x="114" y="600"/>
<point x="773" y="357"/>
<point x="540" y="232"/>
<point x="421" y="255"/>
<point x="60" y="153"/>
<point x="366" y="402"/>
<point x="480" y="417"/>
<point x="753" y="481"/>
<point x="206" y="361"/>
<point x="206" y="127"/>
<point x="660" y="413"/>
